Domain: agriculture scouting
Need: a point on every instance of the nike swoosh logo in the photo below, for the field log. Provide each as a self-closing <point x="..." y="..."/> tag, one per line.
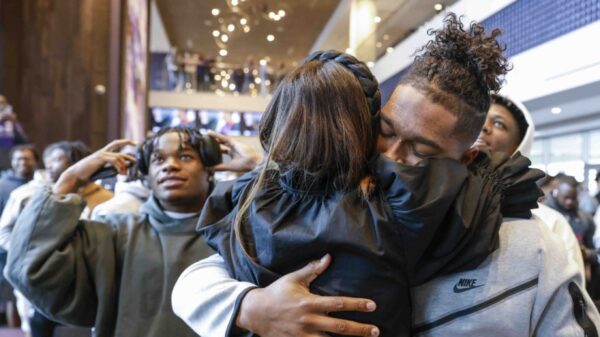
<point x="462" y="290"/>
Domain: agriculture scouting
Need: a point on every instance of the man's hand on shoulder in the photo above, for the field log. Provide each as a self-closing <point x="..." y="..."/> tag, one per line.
<point x="287" y="308"/>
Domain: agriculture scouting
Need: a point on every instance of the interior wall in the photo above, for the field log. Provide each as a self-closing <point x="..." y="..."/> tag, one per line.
<point x="56" y="58"/>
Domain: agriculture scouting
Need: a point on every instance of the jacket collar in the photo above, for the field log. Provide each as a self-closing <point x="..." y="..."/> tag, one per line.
<point x="162" y="222"/>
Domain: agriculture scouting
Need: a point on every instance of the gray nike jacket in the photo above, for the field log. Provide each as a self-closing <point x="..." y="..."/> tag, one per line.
<point x="525" y="288"/>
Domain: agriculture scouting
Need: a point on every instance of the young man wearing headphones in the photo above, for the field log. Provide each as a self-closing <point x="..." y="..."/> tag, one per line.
<point x="116" y="275"/>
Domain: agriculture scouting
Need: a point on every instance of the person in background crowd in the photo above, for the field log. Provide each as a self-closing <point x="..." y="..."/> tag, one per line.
<point x="24" y="161"/>
<point x="11" y="132"/>
<point x="57" y="158"/>
<point x="509" y="128"/>
<point x="62" y="155"/>
<point x="526" y="282"/>
<point x="564" y="199"/>
<point x="116" y="274"/>
<point x="130" y="193"/>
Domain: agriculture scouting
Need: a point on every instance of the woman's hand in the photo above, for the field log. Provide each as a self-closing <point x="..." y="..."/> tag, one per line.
<point x="79" y="173"/>
<point x="243" y="156"/>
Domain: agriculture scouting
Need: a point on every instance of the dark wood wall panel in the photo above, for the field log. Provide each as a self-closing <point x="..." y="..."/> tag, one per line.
<point x="62" y="48"/>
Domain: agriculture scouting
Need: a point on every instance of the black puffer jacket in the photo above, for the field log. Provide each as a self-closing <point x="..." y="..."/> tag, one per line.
<point x="431" y="219"/>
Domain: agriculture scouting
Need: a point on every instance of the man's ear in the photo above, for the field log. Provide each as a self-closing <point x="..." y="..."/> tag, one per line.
<point x="470" y="155"/>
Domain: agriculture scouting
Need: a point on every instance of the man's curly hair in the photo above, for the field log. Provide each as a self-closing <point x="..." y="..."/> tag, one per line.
<point x="459" y="69"/>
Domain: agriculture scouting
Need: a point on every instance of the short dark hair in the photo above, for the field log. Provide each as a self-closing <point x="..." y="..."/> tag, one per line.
<point x="459" y="69"/>
<point x="75" y="150"/>
<point x="569" y="180"/>
<point x="25" y="147"/>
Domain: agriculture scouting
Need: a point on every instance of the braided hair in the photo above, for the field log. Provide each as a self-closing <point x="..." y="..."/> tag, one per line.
<point x="321" y="127"/>
<point x="458" y="69"/>
<point x="361" y="71"/>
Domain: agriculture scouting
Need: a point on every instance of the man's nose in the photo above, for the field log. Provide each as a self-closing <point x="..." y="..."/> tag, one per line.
<point x="395" y="152"/>
<point x="170" y="164"/>
<point x="486" y="128"/>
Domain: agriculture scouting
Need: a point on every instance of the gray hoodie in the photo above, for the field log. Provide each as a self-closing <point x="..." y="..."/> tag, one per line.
<point x="555" y="221"/>
<point x="114" y="275"/>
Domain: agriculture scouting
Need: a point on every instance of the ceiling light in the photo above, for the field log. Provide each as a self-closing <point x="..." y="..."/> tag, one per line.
<point x="389" y="49"/>
<point x="255" y="72"/>
<point x="263" y="62"/>
<point x="232" y="86"/>
<point x="438" y="7"/>
<point x="350" y="51"/>
<point x="224" y="84"/>
<point x="243" y="21"/>
<point x="281" y="13"/>
<point x="246" y="29"/>
<point x="224" y="38"/>
<point x="216" y="33"/>
<point x="370" y="64"/>
<point x="257" y="80"/>
<point x="272" y="15"/>
<point x="377" y="19"/>
<point x="267" y="82"/>
<point x="276" y="17"/>
<point x="556" y="110"/>
<point x="223" y="52"/>
<point x="215" y="11"/>
<point x="234" y="3"/>
<point x="251" y="85"/>
<point x="231" y="27"/>
<point x="270" y="38"/>
<point x="217" y="77"/>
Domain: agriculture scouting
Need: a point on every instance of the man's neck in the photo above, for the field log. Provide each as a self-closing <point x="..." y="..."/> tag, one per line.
<point x="184" y="207"/>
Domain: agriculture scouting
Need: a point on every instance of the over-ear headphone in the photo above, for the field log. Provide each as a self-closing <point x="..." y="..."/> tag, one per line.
<point x="206" y="146"/>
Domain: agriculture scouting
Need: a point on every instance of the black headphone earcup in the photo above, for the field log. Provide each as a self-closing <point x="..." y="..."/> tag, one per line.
<point x="141" y="164"/>
<point x="210" y="151"/>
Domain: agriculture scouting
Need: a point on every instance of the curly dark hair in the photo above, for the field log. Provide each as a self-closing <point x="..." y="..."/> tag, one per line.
<point x="458" y="69"/>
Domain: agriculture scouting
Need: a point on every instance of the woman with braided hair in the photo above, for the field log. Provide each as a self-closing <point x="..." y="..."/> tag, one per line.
<point x="323" y="188"/>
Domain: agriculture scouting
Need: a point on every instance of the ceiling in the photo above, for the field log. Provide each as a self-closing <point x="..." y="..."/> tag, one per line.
<point x="189" y="25"/>
<point x="308" y="24"/>
<point x="399" y="19"/>
<point x="580" y="111"/>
